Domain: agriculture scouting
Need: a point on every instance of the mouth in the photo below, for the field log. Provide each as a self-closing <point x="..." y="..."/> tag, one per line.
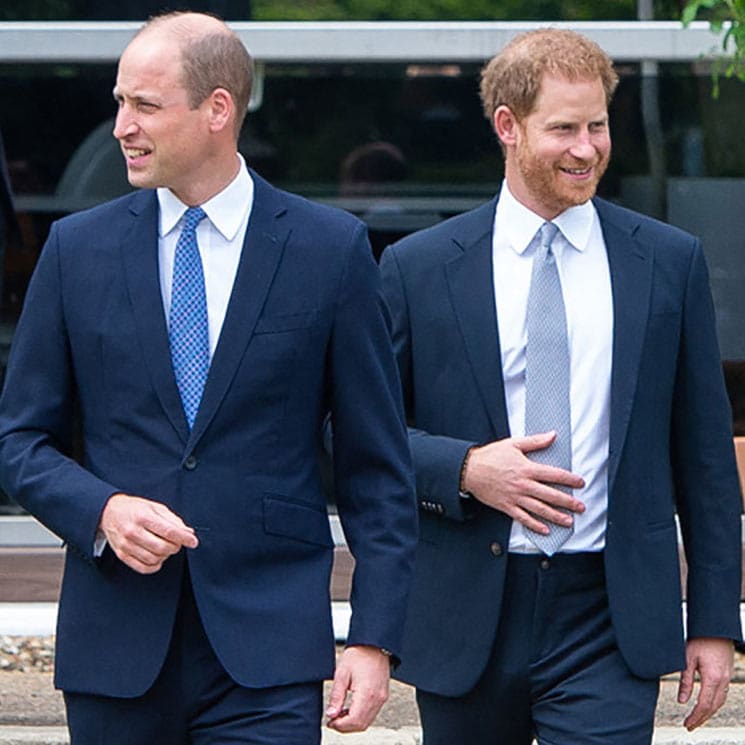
<point x="577" y="172"/>
<point x="135" y="153"/>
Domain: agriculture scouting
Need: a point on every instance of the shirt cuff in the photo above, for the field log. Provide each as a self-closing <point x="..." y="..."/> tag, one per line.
<point x="99" y="544"/>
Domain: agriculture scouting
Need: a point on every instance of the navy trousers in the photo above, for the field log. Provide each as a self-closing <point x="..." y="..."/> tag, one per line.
<point x="555" y="673"/>
<point x="195" y="702"/>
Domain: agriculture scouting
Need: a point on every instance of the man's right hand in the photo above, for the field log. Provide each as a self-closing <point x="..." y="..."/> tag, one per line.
<point x="501" y="476"/>
<point x="143" y="533"/>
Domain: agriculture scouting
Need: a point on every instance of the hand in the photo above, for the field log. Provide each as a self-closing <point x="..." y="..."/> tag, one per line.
<point x="143" y="533"/>
<point x="364" y="672"/>
<point x="501" y="476"/>
<point x="713" y="660"/>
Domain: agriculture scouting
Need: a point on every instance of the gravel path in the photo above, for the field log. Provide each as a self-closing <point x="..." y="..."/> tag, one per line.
<point x="27" y="695"/>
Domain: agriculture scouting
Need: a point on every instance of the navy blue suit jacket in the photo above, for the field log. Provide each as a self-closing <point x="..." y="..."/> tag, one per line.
<point x="305" y="332"/>
<point x="670" y="446"/>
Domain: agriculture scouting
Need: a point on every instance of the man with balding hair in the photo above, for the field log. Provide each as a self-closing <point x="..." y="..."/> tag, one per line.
<point x="203" y="327"/>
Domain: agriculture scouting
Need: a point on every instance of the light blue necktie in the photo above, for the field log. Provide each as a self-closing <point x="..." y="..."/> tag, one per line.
<point x="188" y="331"/>
<point x="547" y="370"/>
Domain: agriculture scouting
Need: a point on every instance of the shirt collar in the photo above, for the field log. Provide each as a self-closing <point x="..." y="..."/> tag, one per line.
<point x="226" y="210"/>
<point x="517" y="224"/>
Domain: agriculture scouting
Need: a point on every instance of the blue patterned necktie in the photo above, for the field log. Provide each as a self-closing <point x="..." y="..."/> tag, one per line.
<point x="547" y="369"/>
<point x="188" y="332"/>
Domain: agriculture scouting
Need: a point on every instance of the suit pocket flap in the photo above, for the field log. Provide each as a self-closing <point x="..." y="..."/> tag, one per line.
<point x="299" y="521"/>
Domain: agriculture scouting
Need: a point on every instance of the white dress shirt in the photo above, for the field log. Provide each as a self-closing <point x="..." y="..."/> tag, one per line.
<point x="220" y="238"/>
<point x="585" y="279"/>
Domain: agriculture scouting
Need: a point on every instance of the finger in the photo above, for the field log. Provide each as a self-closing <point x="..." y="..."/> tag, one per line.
<point x="338" y="695"/>
<point x="334" y="722"/>
<point x="554" y="475"/>
<point x="139" y="566"/>
<point x="127" y="515"/>
<point x="685" y="687"/>
<point x="711" y="698"/>
<point x="149" y="548"/>
<point x="703" y="709"/>
<point x="172" y="531"/>
<point x="179" y="537"/>
<point x="544" y="513"/>
<point x="695" y="719"/>
<point x="363" y="709"/>
<point x="530" y="522"/>
<point x="720" y="698"/>
<point x="149" y="551"/>
<point x="354" y="719"/>
<point x="538" y="441"/>
<point x="554" y="499"/>
<point x="136" y="537"/>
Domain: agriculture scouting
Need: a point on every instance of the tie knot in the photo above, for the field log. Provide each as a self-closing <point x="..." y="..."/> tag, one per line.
<point x="548" y="232"/>
<point x="192" y="217"/>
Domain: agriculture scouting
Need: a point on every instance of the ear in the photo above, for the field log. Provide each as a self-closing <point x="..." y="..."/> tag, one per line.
<point x="221" y="110"/>
<point x="506" y="125"/>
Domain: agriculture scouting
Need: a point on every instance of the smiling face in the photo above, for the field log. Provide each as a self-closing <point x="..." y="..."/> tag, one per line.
<point x="556" y="155"/>
<point x="165" y="142"/>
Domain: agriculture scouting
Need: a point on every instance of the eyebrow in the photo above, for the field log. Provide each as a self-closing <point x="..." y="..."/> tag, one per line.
<point x="137" y="98"/>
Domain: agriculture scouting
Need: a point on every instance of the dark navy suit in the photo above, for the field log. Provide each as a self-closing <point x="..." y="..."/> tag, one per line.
<point x="305" y="332"/>
<point x="670" y="447"/>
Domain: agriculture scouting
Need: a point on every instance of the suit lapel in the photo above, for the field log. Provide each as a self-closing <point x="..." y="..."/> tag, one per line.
<point x="139" y="250"/>
<point x="470" y="281"/>
<point x="260" y="257"/>
<point x="630" y="264"/>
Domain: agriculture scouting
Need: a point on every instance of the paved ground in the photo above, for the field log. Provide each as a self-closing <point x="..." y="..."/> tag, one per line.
<point x="32" y="712"/>
<point x="28" y="698"/>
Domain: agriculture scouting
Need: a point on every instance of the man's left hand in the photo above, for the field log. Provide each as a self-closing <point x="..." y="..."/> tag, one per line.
<point x="363" y="673"/>
<point x="713" y="660"/>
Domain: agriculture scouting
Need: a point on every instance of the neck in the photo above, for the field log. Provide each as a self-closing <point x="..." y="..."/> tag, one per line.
<point x="216" y="177"/>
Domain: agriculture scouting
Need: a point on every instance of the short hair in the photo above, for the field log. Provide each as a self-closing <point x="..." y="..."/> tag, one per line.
<point x="215" y="59"/>
<point x="513" y="77"/>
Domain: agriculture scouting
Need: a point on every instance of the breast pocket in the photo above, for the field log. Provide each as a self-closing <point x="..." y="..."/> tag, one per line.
<point x="278" y="324"/>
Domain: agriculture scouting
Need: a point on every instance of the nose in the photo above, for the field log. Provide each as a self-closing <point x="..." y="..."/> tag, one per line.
<point x="583" y="147"/>
<point x="124" y="124"/>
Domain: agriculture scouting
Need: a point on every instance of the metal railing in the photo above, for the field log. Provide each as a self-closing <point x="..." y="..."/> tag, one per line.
<point x="67" y="41"/>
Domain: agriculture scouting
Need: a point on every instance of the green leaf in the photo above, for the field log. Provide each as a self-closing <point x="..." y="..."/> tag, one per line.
<point x="689" y="14"/>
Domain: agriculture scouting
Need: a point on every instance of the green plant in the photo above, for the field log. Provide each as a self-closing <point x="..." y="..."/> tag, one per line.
<point x="727" y="16"/>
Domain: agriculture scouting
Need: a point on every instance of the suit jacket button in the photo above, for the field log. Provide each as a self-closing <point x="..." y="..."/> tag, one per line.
<point x="190" y="463"/>
<point x="496" y="548"/>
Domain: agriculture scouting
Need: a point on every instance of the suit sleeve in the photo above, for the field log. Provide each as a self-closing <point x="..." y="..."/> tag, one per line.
<point x="372" y="466"/>
<point x="437" y="458"/>
<point x="707" y="487"/>
<point x="36" y="414"/>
